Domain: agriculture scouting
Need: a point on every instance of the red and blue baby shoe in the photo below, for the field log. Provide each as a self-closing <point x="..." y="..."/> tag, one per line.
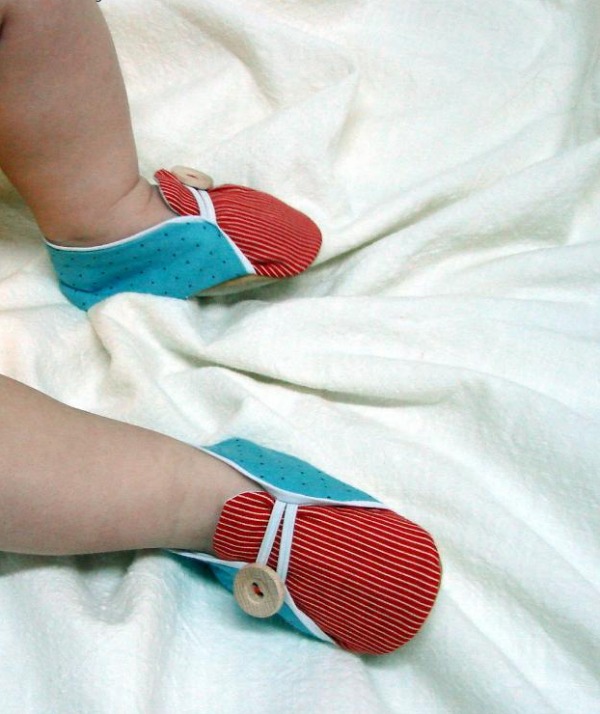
<point x="329" y="559"/>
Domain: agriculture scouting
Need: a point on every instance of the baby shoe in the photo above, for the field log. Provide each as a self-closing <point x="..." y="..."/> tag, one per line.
<point x="329" y="559"/>
<point x="222" y="240"/>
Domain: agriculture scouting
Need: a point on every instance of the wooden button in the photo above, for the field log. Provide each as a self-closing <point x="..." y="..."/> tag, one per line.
<point x="192" y="177"/>
<point x="258" y="590"/>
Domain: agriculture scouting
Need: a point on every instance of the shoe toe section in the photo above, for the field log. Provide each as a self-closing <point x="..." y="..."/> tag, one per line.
<point x="368" y="577"/>
<point x="277" y="239"/>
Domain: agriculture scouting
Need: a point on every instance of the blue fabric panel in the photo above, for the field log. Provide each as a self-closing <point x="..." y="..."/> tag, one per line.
<point x="176" y="259"/>
<point x="286" y="472"/>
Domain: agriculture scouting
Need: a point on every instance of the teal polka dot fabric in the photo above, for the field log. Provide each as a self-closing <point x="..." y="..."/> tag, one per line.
<point x="179" y="259"/>
<point x="286" y="472"/>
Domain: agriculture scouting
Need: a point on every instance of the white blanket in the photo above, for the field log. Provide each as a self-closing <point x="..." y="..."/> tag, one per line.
<point x="443" y="354"/>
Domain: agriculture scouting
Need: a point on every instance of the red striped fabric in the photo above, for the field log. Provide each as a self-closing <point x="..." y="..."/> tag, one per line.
<point x="367" y="577"/>
<point x="179" y="198"/>
<point x="278" y="240"/>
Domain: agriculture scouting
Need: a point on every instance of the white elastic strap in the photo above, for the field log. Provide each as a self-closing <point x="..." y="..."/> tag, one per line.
<point x="205" y="204"/>
<point x="271" y="532"/>
<point x="285" y="512"/>
<point x="122" y="241"/>
<point x="287" y="535"/>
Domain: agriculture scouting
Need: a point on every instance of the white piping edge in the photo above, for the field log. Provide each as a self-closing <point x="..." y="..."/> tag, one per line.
<point x="129" y="239"/>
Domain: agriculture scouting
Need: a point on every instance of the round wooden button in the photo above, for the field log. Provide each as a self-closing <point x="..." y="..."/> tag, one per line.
<point x="192" y="177"/>
<point x="258" y="590"/>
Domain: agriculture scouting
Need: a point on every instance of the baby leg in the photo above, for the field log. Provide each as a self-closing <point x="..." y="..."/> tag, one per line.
<point x="72" y="482"/>
<point x="66" y="141"/>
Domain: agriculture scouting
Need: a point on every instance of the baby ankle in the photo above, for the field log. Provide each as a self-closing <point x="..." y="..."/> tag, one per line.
<point x="139" y="209"/>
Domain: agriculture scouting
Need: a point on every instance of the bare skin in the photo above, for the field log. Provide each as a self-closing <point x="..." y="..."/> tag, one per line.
<point x="66" y="141"/>
<point x="72" y="482"/>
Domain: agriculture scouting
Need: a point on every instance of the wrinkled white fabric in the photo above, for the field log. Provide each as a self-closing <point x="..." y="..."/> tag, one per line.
<point x="443" y="354"/>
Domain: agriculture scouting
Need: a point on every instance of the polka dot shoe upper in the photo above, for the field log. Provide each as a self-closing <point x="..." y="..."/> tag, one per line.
<point x="327" y="558"/>
<point x="222" y="239"/>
